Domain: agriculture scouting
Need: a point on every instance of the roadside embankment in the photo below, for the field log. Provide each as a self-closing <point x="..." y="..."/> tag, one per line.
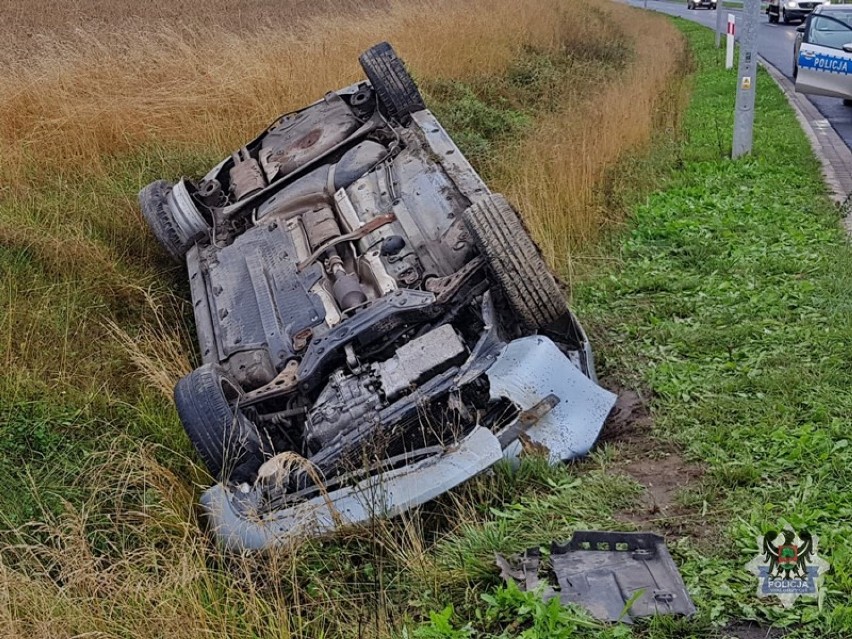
<point x="731" y="307"/>
<point x="96" y="328"/>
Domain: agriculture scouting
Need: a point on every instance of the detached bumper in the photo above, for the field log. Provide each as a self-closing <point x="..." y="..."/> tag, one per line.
<point x="383" y="495"/>
<point x="528" y="372"/>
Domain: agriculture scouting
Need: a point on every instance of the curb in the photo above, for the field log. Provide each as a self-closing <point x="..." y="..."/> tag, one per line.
<point x="832" y="153"/>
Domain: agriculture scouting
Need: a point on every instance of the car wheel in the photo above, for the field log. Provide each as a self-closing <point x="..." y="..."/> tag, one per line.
<point x="395" y="87"/>
<point x="784" y="18"/>
<point x="847" y="102"/>
<point x="228" y="443"/>
<point x="515" y="262"/>
<point x="153" y="200"/>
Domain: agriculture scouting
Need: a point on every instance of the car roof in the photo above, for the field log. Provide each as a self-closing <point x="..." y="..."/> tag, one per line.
<point x="832" y="7"/>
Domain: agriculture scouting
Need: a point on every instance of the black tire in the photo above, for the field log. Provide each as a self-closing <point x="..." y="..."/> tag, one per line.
<point x="515" y="262"/>
<point x="158" y="215"/>
<point x="395" y="88"/>
<point x="226" y="440"/>
<point x="847" y="102"/>
<point x="784" y="18"/>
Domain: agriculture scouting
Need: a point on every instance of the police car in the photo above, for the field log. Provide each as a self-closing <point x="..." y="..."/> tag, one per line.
<point x="822" y="54"/>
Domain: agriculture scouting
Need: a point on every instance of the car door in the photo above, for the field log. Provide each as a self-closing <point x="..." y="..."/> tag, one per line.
<point x="825" y="55"/>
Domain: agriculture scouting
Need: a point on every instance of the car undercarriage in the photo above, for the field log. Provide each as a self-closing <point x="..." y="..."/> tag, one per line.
<point x="375" y="326"/>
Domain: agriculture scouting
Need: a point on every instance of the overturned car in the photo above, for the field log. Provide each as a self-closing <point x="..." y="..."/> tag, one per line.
<point x="375" y="325"/>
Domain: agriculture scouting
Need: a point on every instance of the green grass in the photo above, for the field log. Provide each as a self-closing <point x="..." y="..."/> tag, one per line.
<point x="728" y="303"/>
<point x="731" y="305"/>
<point x="734" y="293"/>
<point x="488" y="113"/>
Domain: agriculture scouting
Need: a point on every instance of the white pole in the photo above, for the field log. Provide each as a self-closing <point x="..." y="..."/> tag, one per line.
<point x="729" y="45"/>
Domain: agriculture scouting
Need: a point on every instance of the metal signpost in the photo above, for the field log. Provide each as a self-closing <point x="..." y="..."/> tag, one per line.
<point x="746" y="80"/>
<point x="719" y="22"/>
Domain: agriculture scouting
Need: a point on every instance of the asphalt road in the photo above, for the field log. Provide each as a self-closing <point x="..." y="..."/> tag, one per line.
<point x="775" y="43"/>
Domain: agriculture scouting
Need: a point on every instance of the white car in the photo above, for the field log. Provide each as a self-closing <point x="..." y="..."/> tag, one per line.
<point x="788" y="10"/>
<point x="822" y="56"/>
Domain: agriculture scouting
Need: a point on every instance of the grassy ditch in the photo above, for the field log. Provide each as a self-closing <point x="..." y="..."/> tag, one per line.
<point x="727" y="305"/>
<point x="730" y="308"/>
<point x="94" y="319"/>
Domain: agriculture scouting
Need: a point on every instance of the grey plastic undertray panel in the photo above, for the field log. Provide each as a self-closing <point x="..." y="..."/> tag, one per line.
<point x="603" y="571"/>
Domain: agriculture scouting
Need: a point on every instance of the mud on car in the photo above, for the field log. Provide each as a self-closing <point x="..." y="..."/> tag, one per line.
<point x="375" y="326"/>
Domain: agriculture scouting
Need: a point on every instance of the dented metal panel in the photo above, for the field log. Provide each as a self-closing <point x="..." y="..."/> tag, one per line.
<point x="530" y="369"/>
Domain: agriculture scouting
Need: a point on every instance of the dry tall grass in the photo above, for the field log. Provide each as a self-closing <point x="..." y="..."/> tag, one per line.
<point x="207" y="87"/>
<point x="91" y="108"/>
<point x="72" y="109"/>
<point x="90" y="116"/>
<point x="566" y="157"/>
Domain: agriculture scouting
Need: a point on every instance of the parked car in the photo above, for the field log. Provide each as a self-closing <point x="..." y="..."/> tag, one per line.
<point x="787" y="11"/>
<point x="822" y="53"/>
<point x="697" y="4"/>
<point x="375" y="325"/>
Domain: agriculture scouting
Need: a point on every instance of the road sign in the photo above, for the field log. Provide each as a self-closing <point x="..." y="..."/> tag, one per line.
<point x="746" y="85"/>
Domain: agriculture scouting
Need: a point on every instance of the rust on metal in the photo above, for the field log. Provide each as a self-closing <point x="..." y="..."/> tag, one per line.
<point x="445" y="287"/>
<point x="246" y="176"/>
<point x="376" y="223"/>
<point x="283" y="383"/>
<point x="526" y="419"/>
<point x="301" y="339"/>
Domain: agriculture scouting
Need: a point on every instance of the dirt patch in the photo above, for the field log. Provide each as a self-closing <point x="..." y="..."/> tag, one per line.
<point x="630" y="419"/>
<point x="663" y="477"/>
<point x="658" y="466"/>
<point x="751" y="631"/>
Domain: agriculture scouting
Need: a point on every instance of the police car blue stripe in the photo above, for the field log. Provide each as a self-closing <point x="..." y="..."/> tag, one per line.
<point x="825" y="62"/>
